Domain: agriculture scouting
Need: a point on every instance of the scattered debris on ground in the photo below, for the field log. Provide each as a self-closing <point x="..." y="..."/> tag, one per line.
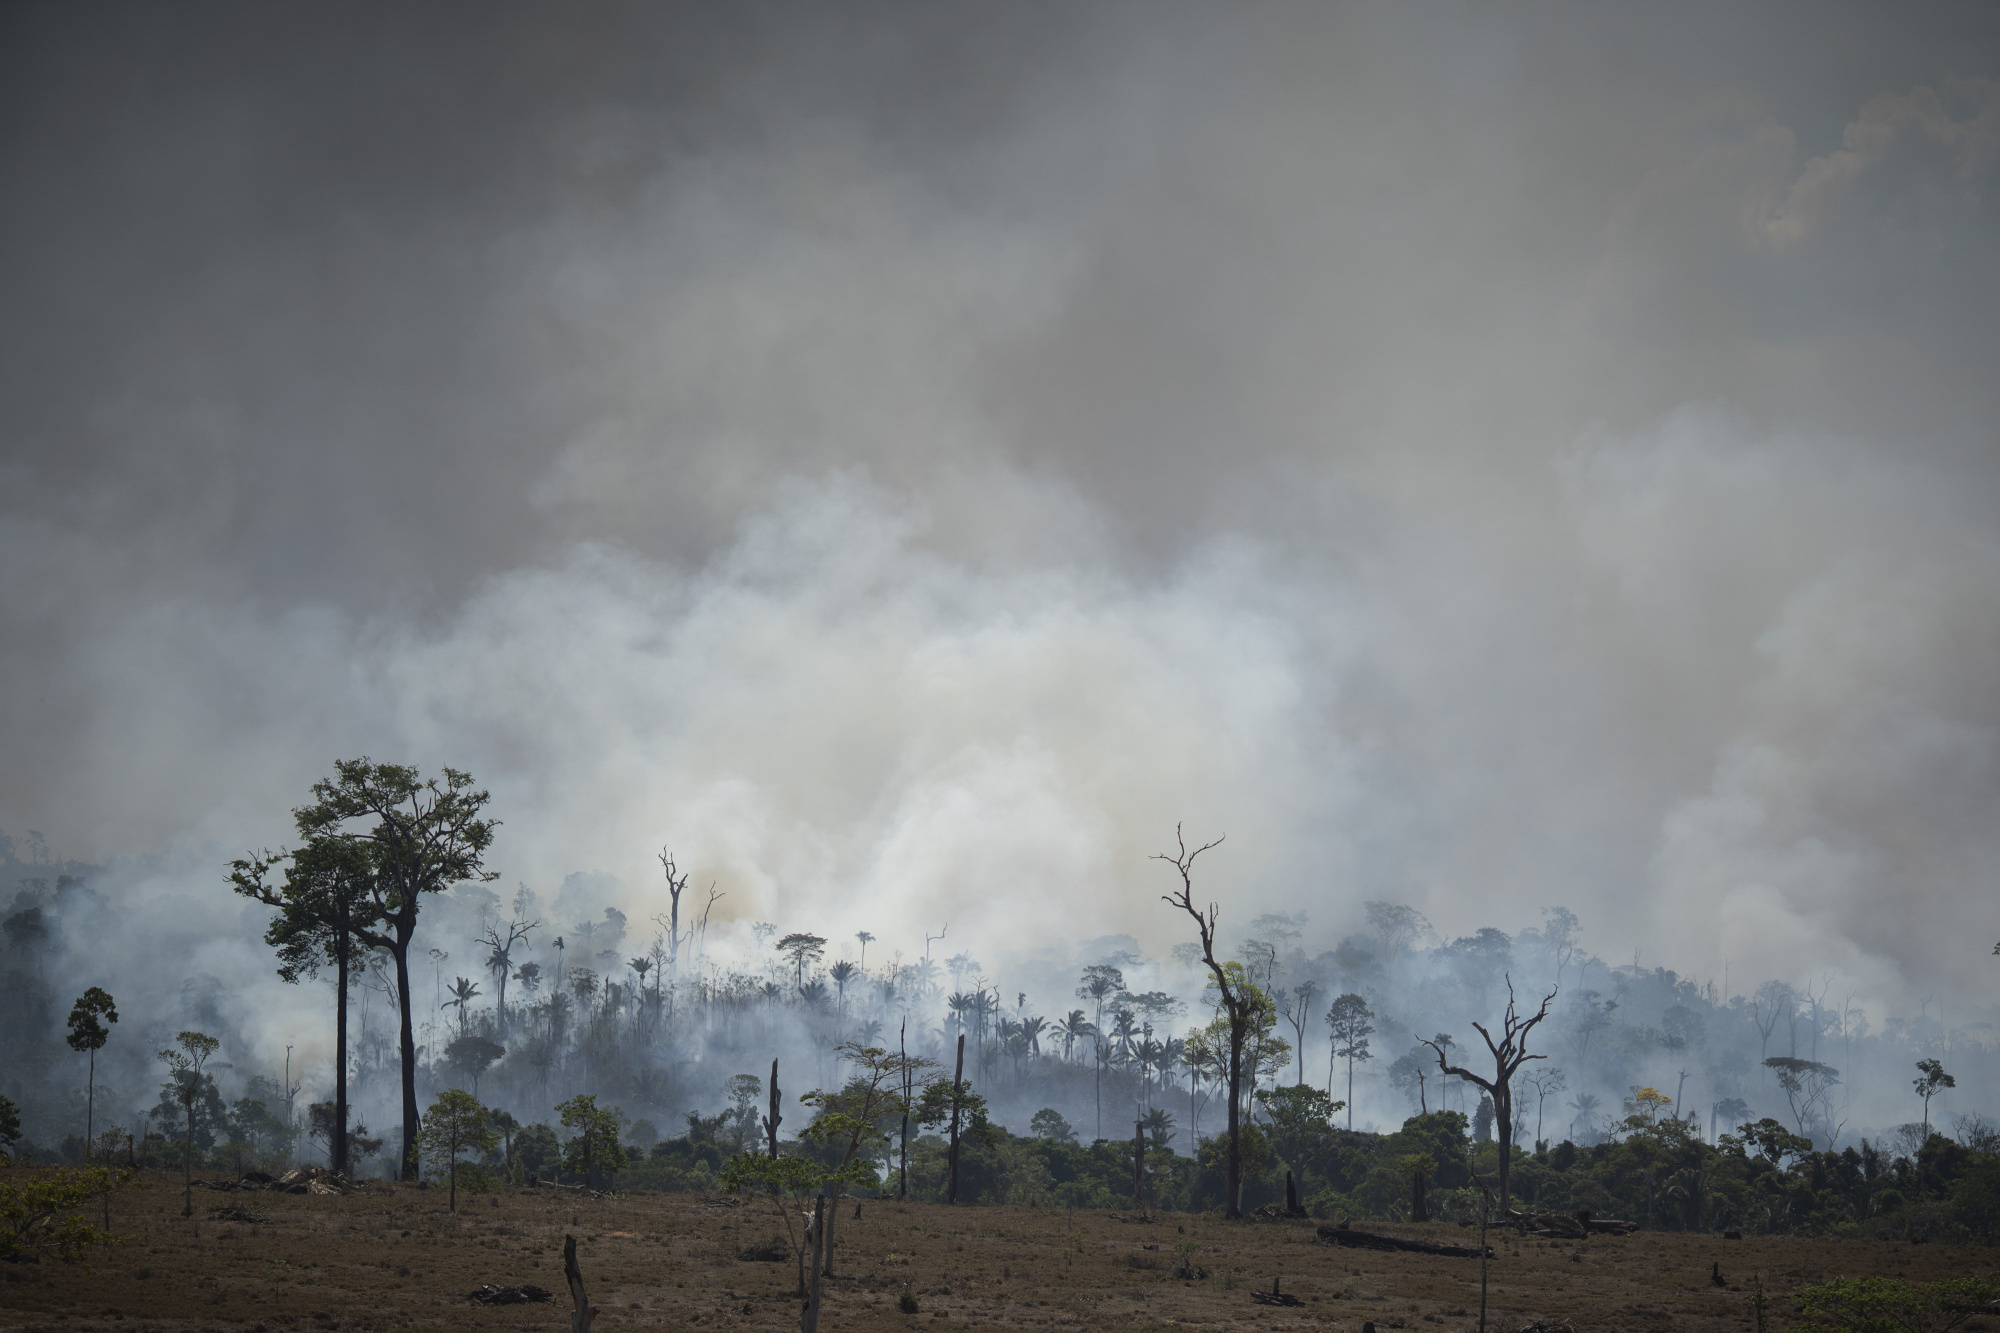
<point x="300" y="1180"/>
<point x="233" y="1214"/>
<point x="1274" y="1296"/>
<point x="581" y="1191"/>
<point x="526" y="1294"/>
<point x="1343" y="1234"/>
<point x="770" y="1252"/>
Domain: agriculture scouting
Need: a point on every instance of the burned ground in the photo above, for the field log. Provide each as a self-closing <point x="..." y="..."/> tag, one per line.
<point x="392" y="1257"/>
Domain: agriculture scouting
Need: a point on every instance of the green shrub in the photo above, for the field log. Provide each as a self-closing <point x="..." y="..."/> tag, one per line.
<point x="907" y="1302"/>
<point x="1891" y="1304"/>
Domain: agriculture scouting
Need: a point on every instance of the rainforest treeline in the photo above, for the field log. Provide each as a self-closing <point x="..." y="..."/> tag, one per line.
<point x="1639" y="1093"/>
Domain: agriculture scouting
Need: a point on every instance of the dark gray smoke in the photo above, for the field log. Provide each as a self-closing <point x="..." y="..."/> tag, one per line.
<point x="909" y="458"/>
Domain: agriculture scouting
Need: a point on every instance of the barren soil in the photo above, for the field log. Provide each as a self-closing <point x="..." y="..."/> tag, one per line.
<point x="392" y="1257"/>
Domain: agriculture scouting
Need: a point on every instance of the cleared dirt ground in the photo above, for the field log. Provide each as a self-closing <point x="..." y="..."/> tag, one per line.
<point x="392" y="1257"/>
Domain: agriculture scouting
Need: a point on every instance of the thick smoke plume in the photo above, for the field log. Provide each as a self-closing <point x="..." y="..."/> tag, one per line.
<point x="908" y="463"/>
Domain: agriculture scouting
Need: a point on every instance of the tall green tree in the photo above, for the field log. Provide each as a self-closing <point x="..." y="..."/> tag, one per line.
<point x="592" y="1150"/>
<point x="1301" y="1124"/>
<point x="456" y="1125"/>
<point x="94" y="1009"/>
<point x="186" y="1074"/>
<point x="1348" y="1022"/>
<point x="855" y="1120"/>
<point x="804" y="950"/>
<point x="423" y="835"/>
<point x="328" y="897"/>
<point x="1929" y="1082"/>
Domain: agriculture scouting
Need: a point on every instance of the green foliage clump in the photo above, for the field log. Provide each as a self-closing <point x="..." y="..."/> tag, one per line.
<point x="1891" y="1304"/>
<point x="455" y="1126"/>
<point x="40" y="1214"/>
<point x="592" y="1150"/>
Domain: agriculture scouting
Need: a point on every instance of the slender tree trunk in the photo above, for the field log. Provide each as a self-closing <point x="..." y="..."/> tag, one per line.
<point x="903" y="1167"/>
<point x="1098" y="1042"/>
<point x="1503" y="1114"/>
<point x="90" y="1110"/>
<point x="340" y="1049"/>
<point x="1139" y="1165"/>
<point x="832" y="1207"/>
<point x="1350" y="1089"/>
<point x="957" y="1087"/>
<point x="809" y="1317"/>
<point x="409" y="1054"/>
<point x="187" y="1166"/>
<point x="772" y="1121"/>
<point x="1232" y="1204"/>
<point x="581" y="1311"/>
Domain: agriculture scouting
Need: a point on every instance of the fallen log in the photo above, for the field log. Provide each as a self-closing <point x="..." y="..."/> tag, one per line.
<point x="1369" y="1240"/>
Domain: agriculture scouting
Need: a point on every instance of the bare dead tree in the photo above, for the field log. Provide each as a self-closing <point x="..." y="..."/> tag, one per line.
<point x="1509" y="1054"/>
<point x="500" y="960"/>
<point x="701" y="929"/>
<point x="1236" y="1003"/>
<point x="675" y="887"/>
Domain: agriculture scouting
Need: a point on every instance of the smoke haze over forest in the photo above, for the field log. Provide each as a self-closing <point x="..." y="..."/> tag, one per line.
<point x="906" y="459"/>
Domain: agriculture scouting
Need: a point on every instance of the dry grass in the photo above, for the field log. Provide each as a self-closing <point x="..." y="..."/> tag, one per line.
<point x="391" y="1257"/>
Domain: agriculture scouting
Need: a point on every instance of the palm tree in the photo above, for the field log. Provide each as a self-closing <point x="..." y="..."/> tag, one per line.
<point x="961" y="1006"/>
<point x="640" y="966"/>
<point x="1585" y="1105"/>
<point x="922" y="976"/>
<point x="1014" y="1042"/>
<point x="1123" y="1029"/>
<point x="866" y="940"/>
<point x="1172" y="1049"/>
<point x="1074" y="1027"/>
<point x="1034" y="1027"/>
<point x="462" y="992"/>
<point x="842" y="972"/>
<point x="1152" y="1056"/>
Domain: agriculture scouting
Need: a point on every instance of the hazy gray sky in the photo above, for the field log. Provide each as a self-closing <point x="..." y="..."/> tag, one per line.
<point x="910" y="456"/>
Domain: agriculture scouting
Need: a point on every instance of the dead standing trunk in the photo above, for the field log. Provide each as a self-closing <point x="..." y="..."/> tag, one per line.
<point x="407" y="1042"/>
<point x="809" y="1316"/>
<point x="1139" y="1164"/>
<point x="187" y="1160"/>
<point x="581" y="1313"/>
<point x="341" y="947"/>
<point x="1509" y="1054"/>
<point x="957" y="1087"/>
<point x="903" y="1168"/>
<point x="1235" y="1003"/>
<point x="773" y="1120"/>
